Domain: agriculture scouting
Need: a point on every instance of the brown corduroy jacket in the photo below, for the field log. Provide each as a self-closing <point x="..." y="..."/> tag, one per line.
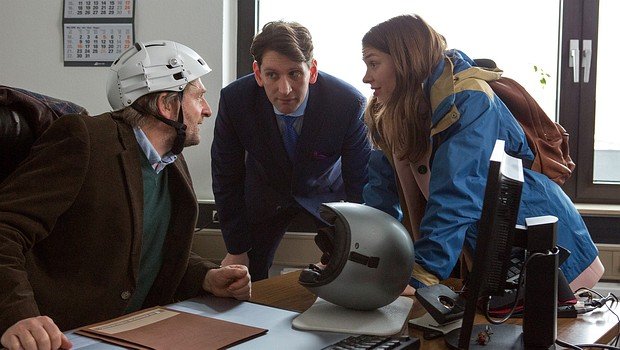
<point x="71" y="227"/>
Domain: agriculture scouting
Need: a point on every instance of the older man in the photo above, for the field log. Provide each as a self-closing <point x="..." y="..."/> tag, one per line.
<point x="98" y="220"/>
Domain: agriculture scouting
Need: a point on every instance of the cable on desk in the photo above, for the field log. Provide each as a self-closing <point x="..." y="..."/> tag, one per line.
<point x="520" y="284"/>
<point x="598" y="346"/>
<point x="567" y="345"/>
<point x="617" y="337"/>
<point x="598" y="303"/>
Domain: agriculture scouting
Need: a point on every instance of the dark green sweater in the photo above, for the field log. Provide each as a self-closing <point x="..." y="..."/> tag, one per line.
<point x="157" y="206"/>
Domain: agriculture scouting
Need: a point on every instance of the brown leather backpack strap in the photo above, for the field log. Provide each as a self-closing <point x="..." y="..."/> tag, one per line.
<point x="546" y="138"/>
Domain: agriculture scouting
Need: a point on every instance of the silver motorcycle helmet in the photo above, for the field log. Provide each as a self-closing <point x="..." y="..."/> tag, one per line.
<point x="367" y="256"/>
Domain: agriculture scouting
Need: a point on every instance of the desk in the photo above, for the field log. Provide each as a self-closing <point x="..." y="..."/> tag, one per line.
<point x="285" y="292"/>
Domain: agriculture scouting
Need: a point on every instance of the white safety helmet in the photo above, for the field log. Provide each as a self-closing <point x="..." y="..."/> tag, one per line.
<point x="151" y="67"/>
<point x="370" y="258"/>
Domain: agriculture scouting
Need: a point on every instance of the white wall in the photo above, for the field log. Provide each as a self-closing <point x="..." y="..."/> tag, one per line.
<point x="31" y="56"/>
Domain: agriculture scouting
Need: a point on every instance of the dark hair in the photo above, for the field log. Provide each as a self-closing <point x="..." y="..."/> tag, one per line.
<point x="404" y="120"/>
<point x="290" y="39"/>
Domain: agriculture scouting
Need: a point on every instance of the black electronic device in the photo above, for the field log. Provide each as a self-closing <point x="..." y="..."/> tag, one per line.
<point x="441" y="302"/>
<point x="501" y="306"/>
<point x="497" y="234"/>
<point x="366" y="342"/>
<point x="518" y="257"/>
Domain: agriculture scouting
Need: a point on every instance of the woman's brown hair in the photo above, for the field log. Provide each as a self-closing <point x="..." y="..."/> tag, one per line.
<point x="403" y="122"/>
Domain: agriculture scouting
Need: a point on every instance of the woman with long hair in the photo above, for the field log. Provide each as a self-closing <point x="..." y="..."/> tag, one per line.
<point x="437" y="120"/>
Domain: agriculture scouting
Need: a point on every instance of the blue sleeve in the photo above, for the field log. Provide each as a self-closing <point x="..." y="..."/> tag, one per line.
<point x="355" y="153"/>
<point x="381" y="192"/>
<point x="459" y="172"/>
<point x="416" y="284"/>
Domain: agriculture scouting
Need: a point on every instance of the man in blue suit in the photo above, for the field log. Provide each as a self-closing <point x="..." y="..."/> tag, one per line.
<point x="287" y="138"/>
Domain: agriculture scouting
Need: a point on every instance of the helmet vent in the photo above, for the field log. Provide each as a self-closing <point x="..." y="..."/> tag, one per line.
<point x="155" y="44"/>
<point x="178" y="76"/>
<point x="370" y="261"/>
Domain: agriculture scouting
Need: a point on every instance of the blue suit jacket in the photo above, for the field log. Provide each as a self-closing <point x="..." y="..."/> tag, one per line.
<point x="253" y="177"/>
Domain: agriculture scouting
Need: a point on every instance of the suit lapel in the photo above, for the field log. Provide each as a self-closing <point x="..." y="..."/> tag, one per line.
<point x="314" y="118"/>
<point x="267" y="125"/>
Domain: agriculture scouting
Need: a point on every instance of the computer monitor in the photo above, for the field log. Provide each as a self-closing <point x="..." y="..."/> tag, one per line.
<point x="496" y="233"/>
<point x="498" y="219"/>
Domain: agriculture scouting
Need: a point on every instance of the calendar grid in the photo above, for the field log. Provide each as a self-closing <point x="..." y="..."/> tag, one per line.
<point x="96" y="32"/>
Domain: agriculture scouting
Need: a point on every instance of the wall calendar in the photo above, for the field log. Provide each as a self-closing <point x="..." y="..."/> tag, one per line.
<point x="96" y="32"/>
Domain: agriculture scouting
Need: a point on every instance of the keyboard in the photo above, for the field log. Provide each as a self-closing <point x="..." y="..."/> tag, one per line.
<point x="514" y="268"/>
<point x="518" y="257"/>
<point x="375" y="342"/>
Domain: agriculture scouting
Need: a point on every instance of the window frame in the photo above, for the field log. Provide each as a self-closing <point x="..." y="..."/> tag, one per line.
<point x="247" y="22"/>
<point x="576" y="105"/>
<point x="575" y="101"/>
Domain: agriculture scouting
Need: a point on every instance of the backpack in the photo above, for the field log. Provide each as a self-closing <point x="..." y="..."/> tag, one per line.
<point x="547" y="139"/>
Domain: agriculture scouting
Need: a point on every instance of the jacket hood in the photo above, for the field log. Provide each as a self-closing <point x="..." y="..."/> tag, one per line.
<point x="450" y="76"/>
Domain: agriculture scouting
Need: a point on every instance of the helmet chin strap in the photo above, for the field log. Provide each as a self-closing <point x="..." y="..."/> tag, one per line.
<point x="179" y="140"/>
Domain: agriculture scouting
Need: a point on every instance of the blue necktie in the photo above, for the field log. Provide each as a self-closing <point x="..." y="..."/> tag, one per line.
<point x="289" y="135"/>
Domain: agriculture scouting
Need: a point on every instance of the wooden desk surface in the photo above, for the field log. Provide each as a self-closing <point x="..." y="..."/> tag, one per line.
<point x="286" y="293"/>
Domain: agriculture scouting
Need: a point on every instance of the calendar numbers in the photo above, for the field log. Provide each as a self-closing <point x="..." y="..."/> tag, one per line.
<point x="99" y="8"/>
<point x="96" y="42"/>
<point x="96" y="32"/>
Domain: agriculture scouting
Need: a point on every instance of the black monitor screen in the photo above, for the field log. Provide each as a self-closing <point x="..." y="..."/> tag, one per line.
<point x="495" y="233"/>
<point x="497" y="222"/>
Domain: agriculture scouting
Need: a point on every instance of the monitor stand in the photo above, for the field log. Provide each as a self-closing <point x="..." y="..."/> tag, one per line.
<point x="384" y="321"/>
<point x="539" y="328"/>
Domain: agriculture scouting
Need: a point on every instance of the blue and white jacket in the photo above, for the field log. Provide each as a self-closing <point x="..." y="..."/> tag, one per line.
<point x="468" y="118"/>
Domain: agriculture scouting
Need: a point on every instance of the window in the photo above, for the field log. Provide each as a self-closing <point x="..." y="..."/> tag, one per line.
<point x="528" y="39"/>
<point x="606" y="142"/>
<point x="586" y="105"/>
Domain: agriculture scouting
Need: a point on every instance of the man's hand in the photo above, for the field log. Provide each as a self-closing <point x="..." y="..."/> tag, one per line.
<point x="229" y="281"/>
<point x="35" y="333"/>
<point x="240" y="259"/>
